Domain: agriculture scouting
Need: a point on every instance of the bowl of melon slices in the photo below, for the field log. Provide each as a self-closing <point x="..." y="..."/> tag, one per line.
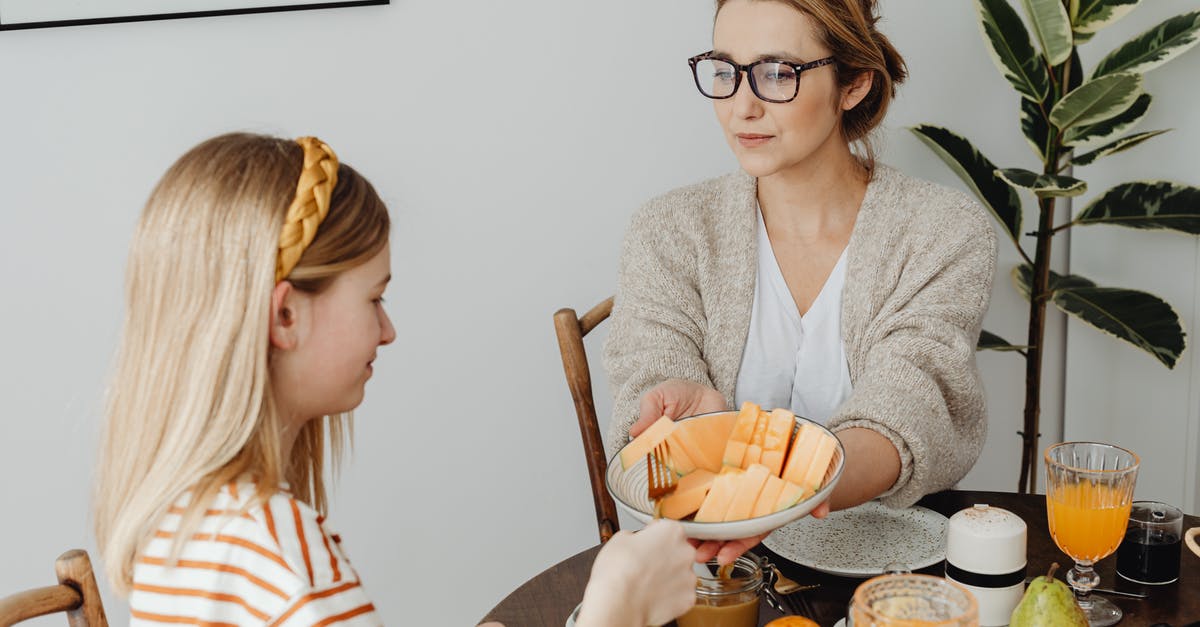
<point x="738" y="474"/>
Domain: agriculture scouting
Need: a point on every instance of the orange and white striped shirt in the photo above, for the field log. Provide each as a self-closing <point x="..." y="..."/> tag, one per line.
<point x="274" y="564"/>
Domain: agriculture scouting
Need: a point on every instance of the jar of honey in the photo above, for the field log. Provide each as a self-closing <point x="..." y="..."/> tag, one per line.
<point x="727" y="596"/>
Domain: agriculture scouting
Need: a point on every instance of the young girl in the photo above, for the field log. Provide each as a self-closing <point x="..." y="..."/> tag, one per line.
<point x="254" y="312"/>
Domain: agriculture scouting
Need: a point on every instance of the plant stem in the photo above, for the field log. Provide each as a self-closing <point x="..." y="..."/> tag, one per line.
<point x="1038" y="293"/>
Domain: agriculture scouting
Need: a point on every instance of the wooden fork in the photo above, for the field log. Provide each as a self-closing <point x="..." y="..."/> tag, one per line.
<point x="660" y="479"/>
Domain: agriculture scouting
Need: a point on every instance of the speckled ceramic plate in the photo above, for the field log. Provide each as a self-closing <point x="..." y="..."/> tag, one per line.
<point x="861" y="541"/>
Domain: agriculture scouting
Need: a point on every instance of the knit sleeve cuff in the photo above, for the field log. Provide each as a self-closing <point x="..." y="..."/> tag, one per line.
<point x="906" y="457"/>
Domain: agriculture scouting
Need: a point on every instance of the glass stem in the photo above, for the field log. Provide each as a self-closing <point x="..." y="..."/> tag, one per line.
<point x="1082" y="579"/>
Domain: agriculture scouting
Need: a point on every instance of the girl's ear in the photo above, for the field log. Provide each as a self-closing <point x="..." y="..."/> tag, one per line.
<point x="857" y="90"/>
<point x="284" y="301"/>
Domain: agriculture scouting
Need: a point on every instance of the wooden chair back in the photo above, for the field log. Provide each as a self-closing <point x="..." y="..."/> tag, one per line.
<point x="570" y="330"/>
<point x="76" y="594"/>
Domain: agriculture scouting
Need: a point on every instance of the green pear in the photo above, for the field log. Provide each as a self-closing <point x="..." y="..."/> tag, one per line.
<point x="1048" y="602"/>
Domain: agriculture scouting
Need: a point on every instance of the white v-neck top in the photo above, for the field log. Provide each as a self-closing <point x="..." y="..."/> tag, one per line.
<point x="794" y="361"/>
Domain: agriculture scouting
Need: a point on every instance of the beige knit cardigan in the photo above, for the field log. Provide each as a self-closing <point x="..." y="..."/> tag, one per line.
<point x="919" y="273"/>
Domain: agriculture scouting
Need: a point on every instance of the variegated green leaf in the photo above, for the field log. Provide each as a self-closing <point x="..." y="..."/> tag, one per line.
<point x="1096" y="100"/>
<point x="1035" y="127"/>
<point x="1110" y="128"/>
<point x="1052" y="27"/>
<point x="1022" y="276"/>
<point x="1034" y="124"/>
<point x="1125" y="143"/>
<point x="1044" y="185"/>
<point x="989" y="341"/>
<point x="1140" y="318"/>
<point x="1093" y="15"/>
<point x="1154" y="47"/>
<point x="1076" y="78"/>
<point x="1011" y="50"/>
<point x="1147" y="205"/>
<point x="978" y="172"/>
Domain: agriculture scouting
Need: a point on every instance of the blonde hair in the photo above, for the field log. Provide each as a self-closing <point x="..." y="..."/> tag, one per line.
<point x="190" y="406"/>
<point x="847" y="28"/>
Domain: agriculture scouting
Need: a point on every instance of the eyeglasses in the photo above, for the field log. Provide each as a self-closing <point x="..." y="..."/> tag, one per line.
<point x="770" y="79"/>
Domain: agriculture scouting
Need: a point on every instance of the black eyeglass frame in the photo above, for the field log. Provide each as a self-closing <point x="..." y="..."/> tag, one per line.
<point x="800" y="68"/>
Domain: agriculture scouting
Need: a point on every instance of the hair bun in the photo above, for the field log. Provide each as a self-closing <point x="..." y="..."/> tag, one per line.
<point x="869" y="12"/>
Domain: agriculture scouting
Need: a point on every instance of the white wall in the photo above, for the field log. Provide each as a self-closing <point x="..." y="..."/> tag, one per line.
<point x="512" y="141"/>
<point x="1117" y="393"/>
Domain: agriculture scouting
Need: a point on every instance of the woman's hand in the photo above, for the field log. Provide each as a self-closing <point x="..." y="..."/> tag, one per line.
<point x="728" y="551"/>
<point x="642" y="578"/>
<point x="676" y="398"/>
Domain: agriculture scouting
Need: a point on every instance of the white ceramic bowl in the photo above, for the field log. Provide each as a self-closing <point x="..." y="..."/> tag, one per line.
<point x="628" y="488"/>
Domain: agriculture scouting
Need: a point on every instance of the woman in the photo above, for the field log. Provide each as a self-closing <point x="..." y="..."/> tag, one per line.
<point x="813" y="279"/>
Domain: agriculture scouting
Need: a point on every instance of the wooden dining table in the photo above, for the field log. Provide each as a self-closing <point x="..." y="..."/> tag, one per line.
<point x="549" y="598"/>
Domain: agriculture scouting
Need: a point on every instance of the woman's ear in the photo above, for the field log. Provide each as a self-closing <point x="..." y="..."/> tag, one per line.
<point x="857" y="90"/>
<point x="284" y="300"/>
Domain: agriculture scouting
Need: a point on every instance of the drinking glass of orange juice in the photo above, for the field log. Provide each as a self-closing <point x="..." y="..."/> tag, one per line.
<point x="1089" y="492"/>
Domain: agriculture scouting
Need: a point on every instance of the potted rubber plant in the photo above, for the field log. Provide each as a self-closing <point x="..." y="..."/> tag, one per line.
<point x="1071" y="117"/>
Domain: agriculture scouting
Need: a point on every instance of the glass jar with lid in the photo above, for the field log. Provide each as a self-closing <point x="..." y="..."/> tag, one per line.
<point x="727" y="596"/>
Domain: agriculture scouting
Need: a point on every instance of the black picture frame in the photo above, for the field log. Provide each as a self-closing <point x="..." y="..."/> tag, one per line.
<point x="63" y="14"/>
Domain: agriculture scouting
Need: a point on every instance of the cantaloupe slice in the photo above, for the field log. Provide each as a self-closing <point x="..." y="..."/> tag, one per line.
<point x="697" y="478"/>
<point x="776" y="439"/>
<point x="706" y="438"/>
<point x="720" y="424"/>
<point x="681" y="503"/>
<point x="644" y="443"/>
<point x="749" y="485"/>
<point x="683" y="438"/>
<point x="790" y="495"/>
<point x="768" y="497"/>
<point x="688" y="495"/>
<point x="740" y="436"/>
<point x="799" y="453"/>
<point x="734" y="450"/>
<point x="809" y="458"/>
<point x="678" y="458"/>
<point x="814" y="477"/>
<point x="719" y="496"/>
<point x="754" y="448"/>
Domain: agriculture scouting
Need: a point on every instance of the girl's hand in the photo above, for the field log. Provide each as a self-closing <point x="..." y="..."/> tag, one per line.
<point x="642" y="578"/>
<point x="676" y="398"/>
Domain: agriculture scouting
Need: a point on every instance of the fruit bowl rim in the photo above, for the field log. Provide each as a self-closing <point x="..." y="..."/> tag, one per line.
<point x="734" y="529"/>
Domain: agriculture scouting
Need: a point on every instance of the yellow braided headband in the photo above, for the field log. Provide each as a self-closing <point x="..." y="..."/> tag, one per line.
<point x="310" y="206"/>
